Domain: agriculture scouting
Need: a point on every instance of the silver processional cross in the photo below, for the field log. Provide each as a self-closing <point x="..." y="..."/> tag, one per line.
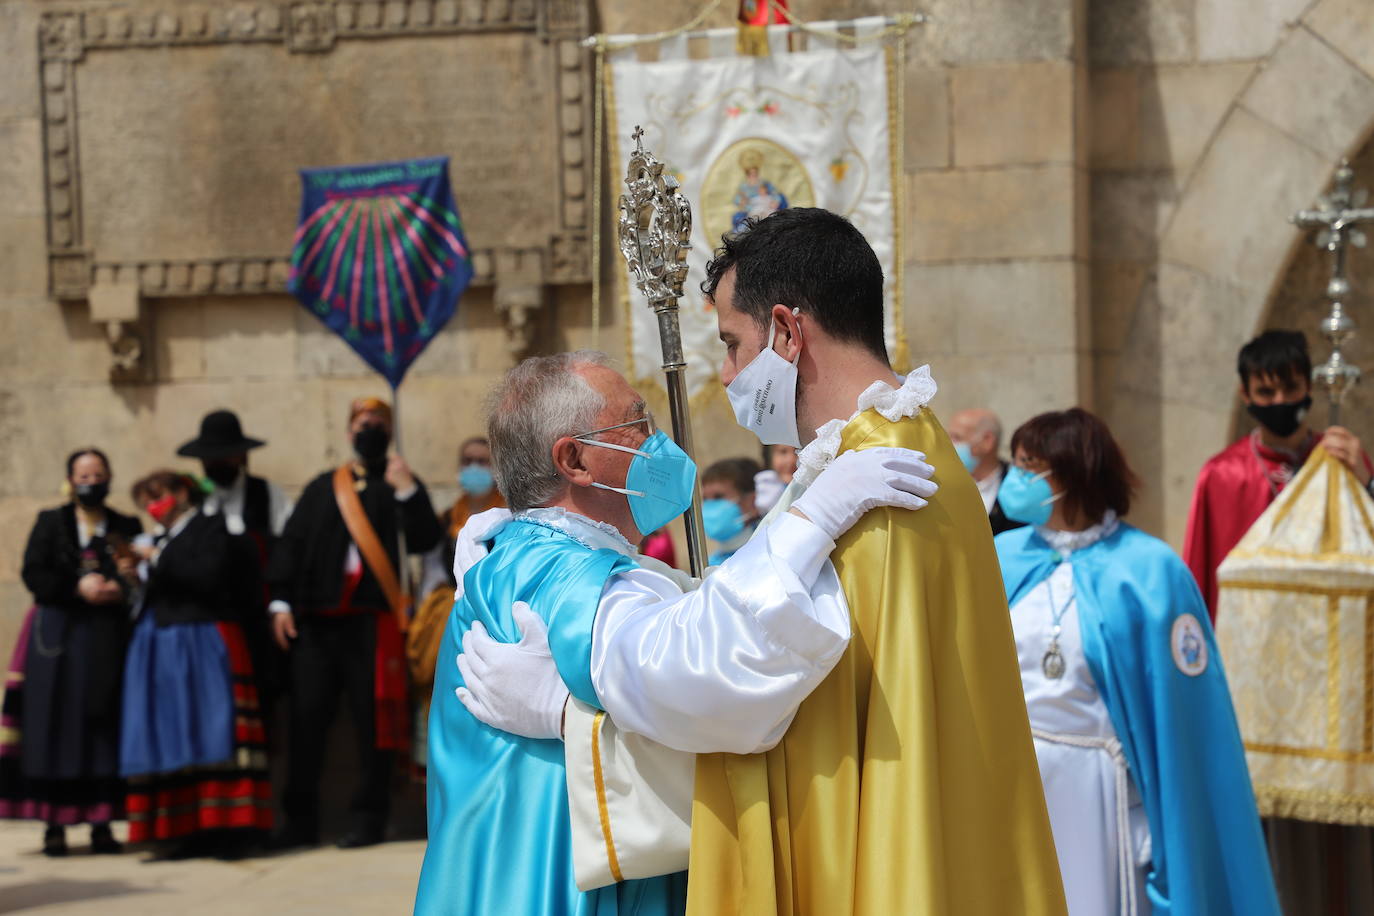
<point x="1337" y="217"/>
<point x="655" y="236"/>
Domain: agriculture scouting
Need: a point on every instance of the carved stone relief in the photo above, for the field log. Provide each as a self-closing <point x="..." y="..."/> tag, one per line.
<point x="520" y="165"/>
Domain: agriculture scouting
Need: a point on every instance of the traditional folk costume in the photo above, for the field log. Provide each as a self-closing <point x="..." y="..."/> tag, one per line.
<point x="193" y="746"/>
<point x="1233" y="488"/>
<point x="59" y="737"/>
<point x="255" y="508"/>
<point x="769" y="625"/>
<point x="349" y="641"/>
<point x="1143" y="768"/>
<point x="907" y="782"/>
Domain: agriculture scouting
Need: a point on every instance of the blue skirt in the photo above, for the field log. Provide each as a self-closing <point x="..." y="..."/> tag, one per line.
<point x="178" y="699"/>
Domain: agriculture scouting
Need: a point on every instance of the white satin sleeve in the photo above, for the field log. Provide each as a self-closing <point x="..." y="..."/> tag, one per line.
<point x="722" y="668"/>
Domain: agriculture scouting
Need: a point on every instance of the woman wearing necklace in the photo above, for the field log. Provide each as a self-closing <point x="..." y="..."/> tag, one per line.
<point x="62" y="699"/>
<point x="1142" y="763"/>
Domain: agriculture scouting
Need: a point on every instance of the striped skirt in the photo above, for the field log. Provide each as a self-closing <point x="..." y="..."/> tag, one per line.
<point x="194" y="748"/>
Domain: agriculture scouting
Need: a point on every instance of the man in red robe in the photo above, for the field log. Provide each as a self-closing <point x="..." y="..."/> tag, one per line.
<point x="1236" y="485"/>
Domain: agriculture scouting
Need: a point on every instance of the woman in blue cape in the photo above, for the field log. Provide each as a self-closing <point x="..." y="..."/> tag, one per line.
<point x="1141" y="759"/>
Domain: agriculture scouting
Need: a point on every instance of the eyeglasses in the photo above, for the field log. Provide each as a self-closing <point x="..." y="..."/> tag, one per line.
<point x="649" y="425"/>
<point x="648" y="420"/>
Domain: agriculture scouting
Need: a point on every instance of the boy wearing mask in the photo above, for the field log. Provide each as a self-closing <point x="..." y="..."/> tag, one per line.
<point x="727" y="505"/>
<point x="1236" y="485"/>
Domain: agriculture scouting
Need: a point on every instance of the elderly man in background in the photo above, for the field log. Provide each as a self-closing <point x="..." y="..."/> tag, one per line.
<point x="977" y="436"/>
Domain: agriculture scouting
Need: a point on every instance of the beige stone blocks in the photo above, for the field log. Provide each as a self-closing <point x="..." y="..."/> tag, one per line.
<point x="991" y="213"/>
<point x="1160" y="118"/>
<point x="927" y="118"/>
<point x="972" y="31"/>
<point x="250" y="337"/>
<point x="1348" y="26"/>
<point x="1227" y="30"/>
<point x="985" y="309"/>
<point x="1313" y="94"/>
<point x="1013" y="114"/>
<point x="1254" y="177"/>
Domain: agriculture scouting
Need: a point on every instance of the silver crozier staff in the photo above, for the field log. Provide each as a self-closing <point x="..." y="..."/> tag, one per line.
<point x="655" y="234"/>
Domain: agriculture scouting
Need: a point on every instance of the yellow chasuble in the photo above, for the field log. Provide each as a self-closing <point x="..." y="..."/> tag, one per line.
<point x="907" y="782"/>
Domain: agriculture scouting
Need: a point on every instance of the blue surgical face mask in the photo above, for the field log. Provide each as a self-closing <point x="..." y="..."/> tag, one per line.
<point x="722" y="519"/>
<point x="1026" y="497"/>
<point x="660" y="482"/>
<point x="966" y="455"/>
<point x="476" y="480"/>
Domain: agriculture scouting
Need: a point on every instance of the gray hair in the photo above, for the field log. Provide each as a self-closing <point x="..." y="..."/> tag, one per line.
<point x="537" y="403"/>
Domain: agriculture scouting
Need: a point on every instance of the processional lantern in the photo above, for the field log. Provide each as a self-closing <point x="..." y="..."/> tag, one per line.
<point x="1337" y="218"/>
<point x="655" y="236"/>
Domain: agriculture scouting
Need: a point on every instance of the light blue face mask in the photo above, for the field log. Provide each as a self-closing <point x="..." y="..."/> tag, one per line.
<point x="966" y="455"/>
<point x="661" y="479"/>
<point x="1026" y="497"/>
<point x="722" y="519"/>
<point x="476" y="480"/>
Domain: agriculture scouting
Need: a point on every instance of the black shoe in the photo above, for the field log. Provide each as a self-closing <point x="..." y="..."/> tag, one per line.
<point x="103" y="841"/>
<point x="55" y="841"/>
<point x="193" y="847"/>
<point x="291" y="838"/>
<point x="357" y="839"/>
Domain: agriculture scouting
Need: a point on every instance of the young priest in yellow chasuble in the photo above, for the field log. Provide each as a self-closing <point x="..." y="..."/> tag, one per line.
<point x="906" y="780"/>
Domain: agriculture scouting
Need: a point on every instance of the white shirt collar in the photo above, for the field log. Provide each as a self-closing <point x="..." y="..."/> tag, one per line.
<point x="988" y="487"/>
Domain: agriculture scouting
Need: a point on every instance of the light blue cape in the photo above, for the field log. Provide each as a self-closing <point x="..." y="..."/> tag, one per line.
<point x="500" y="836"/>
<point x="1178" y="732"/>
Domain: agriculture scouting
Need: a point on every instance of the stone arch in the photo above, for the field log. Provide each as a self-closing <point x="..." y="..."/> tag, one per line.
<point x="1223" y="249"/>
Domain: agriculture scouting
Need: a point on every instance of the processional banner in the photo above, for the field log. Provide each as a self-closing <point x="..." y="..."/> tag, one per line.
<point x="746" y="136"/>
<point x="380" y="257"/>
<point x="1295" y="626"/>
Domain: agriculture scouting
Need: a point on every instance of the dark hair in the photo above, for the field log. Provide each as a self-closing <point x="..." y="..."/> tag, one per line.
<point x="82" y="452"/>
<point x="809" y="259"/>
<point x="736" y="471"/>
<point x="1084" y="459"/>
<point x="1282" y="354"/>
<point x="160" y="483"/>
<point x="473" y="440"/>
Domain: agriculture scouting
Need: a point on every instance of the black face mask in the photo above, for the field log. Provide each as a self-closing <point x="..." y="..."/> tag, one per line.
<point x="92" y="495"/>
<point x="1281" y="419"/>
<point x="221" y="473"/>
<point x="371" y="443"/>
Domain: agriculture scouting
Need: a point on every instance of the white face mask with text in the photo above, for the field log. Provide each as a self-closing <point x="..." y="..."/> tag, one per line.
<point x="764" y="395"/>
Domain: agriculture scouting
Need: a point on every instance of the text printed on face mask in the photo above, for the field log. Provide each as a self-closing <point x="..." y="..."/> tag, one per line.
<point x="761" y="402"/>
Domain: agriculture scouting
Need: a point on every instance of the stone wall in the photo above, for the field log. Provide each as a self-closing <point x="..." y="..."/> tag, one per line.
<point x="1212" y="122"/>
<point x="1096" y="191"/>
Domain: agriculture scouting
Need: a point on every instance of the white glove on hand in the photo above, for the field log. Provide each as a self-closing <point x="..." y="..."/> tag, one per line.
<point x="858" y="481"/>
<point x="514" y="687"/>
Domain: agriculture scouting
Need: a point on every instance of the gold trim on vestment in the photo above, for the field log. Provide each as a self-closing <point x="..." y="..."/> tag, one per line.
<point x="1311" y="753"/>
<point x="1315" y="805"/>
<point x="1339" y="591"/>
<point x="1367" y="733"/>
<point x="600" y="780"/>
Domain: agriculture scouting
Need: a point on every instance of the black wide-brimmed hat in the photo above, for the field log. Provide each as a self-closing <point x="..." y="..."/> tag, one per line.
<point x="220" y="437"/>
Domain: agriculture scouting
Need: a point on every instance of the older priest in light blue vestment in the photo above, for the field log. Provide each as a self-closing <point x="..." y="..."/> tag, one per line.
<point x="720" y="668"/>
<point x="499" y="830"/>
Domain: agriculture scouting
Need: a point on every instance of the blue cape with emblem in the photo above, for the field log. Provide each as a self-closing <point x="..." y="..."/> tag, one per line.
<point x="500" y="836"/>
<point x="1178" y="732"/>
